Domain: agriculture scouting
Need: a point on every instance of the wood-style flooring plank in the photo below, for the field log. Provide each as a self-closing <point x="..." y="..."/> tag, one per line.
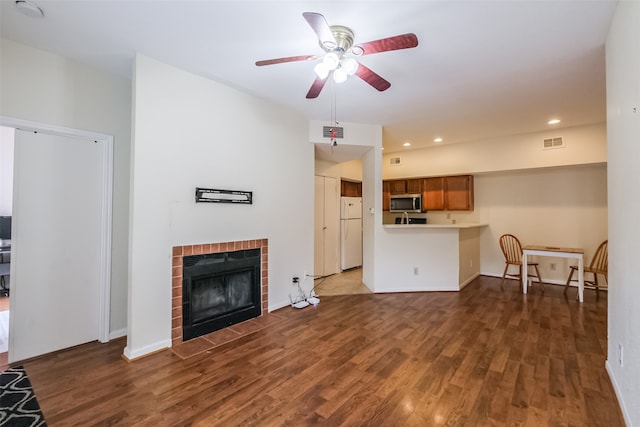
<point x="484" y="356"/>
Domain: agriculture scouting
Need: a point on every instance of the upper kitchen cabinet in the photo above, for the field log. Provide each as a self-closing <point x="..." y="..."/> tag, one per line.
<point x="458" y="194"/>
<point x="452" y="193"/>
<point x="405" y="186"/>
<point x="398" y="186"/>
<point x="414" y="186"/>
<point x="386" y="195"/>
<point x="433" y="194"/>
<point x="350" y="188"/>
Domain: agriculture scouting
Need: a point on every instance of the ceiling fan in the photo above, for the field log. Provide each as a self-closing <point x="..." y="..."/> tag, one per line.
<point x="338" y="60"/>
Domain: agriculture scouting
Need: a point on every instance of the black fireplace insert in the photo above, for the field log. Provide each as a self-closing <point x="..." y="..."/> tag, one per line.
<point x="219" y="290"/>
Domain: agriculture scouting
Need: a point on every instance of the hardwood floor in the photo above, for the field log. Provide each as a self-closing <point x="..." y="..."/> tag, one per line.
<point x="477" y="357"/>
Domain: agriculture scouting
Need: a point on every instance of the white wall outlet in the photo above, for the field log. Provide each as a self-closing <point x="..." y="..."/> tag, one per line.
<point x="620" y="352"/>
<point x="553" y="266"/>
<point x="415" y="271"/>
<point x="470" y="262"/>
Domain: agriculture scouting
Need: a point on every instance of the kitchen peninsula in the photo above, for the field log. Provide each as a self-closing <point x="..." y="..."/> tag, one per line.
<point x="429" y="257"/>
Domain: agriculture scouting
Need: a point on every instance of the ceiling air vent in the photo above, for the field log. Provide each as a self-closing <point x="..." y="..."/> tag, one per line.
<point x="328" y="132"/>
<point x="394" y="160"/>
<point x="553" y="143"/>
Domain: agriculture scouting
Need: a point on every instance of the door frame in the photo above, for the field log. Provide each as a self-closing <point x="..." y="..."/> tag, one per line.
<point x="107" y="206"/>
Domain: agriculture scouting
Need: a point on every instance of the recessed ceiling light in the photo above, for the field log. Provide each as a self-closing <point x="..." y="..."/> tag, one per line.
<point x="437" y="140"/>
<point x="29" y="8"/>
<point x="407" y="144"/>
<point x="553" y="122"/>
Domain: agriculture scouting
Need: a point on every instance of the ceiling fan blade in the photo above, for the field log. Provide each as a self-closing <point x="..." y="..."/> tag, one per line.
<point x="316" y="87"/>
<point x="320" y="26"/>
<point x="403" y="41"/>
<point x="373" y="78"/>
<point x="287" y="59"/>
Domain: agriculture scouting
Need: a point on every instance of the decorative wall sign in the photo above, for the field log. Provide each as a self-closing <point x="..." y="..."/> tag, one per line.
<point x="212" y="195"/>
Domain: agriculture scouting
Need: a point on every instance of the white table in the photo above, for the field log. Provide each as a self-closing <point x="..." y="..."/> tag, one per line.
<point x="551" y="251"/>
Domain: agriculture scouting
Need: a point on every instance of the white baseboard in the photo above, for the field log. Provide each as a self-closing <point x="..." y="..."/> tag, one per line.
<point x="616" y="389"/>
<point x="132" y="354"/>
<point x="279" y="305"/>
<point x="118" y="333"/>
<point x="469" y="280"/>
<point x="551" y="282"/>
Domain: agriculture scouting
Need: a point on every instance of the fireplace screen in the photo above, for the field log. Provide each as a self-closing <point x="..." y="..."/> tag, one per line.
<point x="219" y="290"/>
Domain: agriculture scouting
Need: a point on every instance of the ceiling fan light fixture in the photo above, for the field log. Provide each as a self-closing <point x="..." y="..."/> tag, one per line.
<point x="350" y="66"/>
<point x="331" y="60"/>
<point x="29" y="8"/>
<point x="321" y="70"/>
<point x="339" y="75"/>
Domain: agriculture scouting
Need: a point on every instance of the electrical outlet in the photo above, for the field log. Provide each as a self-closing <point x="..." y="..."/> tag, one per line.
<point x="295" y="280"/>
<point x="553" y="266"/>
<point x="620" y="351"/>
<point x="415" y="271"/>
<point x="470" y="262"/>
<point x="448" y="216"/>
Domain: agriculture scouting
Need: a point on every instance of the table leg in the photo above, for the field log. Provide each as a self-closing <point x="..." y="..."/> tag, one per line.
<point x="580" y="279"/>
<point x="525" y="271"/>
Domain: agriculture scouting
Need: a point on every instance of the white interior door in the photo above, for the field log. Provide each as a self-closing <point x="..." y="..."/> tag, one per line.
<point x="332" y="226"/>
<point x="57" y="260"/>
<point x="326" y="226"/>
<point x="318" y="227"/>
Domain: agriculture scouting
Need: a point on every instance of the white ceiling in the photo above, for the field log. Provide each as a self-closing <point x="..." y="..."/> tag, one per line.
<point x="481" y="69"/>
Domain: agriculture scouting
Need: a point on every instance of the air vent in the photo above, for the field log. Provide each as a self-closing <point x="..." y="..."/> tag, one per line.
<point x="553" y="143"/>
<point x="333" y="131"/>
<point x="394" y="160"/>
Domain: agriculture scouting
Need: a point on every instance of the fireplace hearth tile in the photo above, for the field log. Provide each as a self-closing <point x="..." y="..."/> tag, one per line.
<point x="191" y="348"/>
<point x="215" y="339"/>
<point x="222" y="336"/>
<point x="246" y="327"/>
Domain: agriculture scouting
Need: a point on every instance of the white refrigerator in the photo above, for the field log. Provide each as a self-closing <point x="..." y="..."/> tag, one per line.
<point x="350" y="232"/>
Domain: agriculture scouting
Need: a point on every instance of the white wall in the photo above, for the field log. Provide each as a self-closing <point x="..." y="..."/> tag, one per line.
<point x="563" y="206"/>
<point x="7" y="136"/>
<point x="42" y="87"/>
<point x="351" y="170"/>
<point x="583" y="145"/>
<point x="189" y="132"/>
<point x="623" y="131"/>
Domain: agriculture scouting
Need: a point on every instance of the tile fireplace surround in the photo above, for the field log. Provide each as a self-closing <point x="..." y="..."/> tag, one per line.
<point x="211" y="248"/>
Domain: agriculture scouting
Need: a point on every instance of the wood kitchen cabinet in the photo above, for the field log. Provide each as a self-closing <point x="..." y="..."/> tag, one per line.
<point x="458" y="195"/>
<point x="386" y="195"/>
<point x="405" y="186"/>
<point x="433" y="194"/>
<point x="398" y="186"/>
<point x="452" y="193"/>
<point x="350" y="188"/>
<point x="414" y="186"/>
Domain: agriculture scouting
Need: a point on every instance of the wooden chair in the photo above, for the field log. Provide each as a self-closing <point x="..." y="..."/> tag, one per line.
<point x="599" y="265"/>
<point x="512" y="251"/>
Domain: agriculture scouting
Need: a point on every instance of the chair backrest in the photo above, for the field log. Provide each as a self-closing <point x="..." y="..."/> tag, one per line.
<point x="511" y="248"/>
<point x="600" y="261"/>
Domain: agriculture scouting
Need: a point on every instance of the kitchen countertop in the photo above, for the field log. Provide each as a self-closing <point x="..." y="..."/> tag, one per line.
<point x="434" y="226"/>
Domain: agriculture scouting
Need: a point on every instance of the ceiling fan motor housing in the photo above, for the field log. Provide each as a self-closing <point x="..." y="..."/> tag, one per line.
<point x="343" y="40"/>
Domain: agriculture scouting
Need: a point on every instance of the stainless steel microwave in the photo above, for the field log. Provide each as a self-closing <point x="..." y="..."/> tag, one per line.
<point x="406" y="203"/>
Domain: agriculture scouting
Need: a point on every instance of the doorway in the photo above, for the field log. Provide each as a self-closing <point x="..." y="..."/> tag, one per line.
<point x="61" y="219"/>
<point x="343" y="167"/>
